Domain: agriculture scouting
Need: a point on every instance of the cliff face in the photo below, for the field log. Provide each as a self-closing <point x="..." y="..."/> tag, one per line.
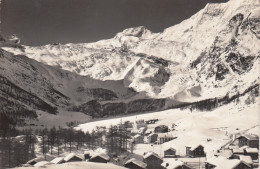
<point x="212" y="54"/>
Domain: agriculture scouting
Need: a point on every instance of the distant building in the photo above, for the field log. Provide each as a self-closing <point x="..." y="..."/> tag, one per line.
<point x="195" y="151"/>
<point x="72" y="157"/>
<point x="58" y="160"/>
<point x="175" y="165"/>
<point x="223" y="163"/>
<point x="153" y="160"/>
<point x="152" y="138"/>
<point x="161" y="129"/>
<point x="135" y="164"/>
<point x="252" y="152"/>
<point x="34" y="161"/>
<point x="165" y="137"/>
<point x="138" y="139"/>
<point x="100" y="158"/>
<point x="170" y="153"/>
<point x="250" y="140"/>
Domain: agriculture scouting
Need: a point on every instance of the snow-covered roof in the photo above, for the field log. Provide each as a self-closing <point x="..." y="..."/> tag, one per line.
<point x="57" y="160"/>
<point x="137" y="135"/>
<point x="152" y="134"/>
<point x="34" y="160"/>
<point x="86" y="152"/>
<point x="251" y="150"/>
<point x="136" y="162"/>
<point x="223" y="163"/>
<point x="250" y="136"/>
<point x="225" y="153"/>
<point x="195" y="146"/>
<point x="170" y="148"/>
<point x="238" y="150"/>
<point x="165" y="135"/>
<point x="152" y="154"/>
<point x="246" y="159"/>
<point x="174" y="164"/>
<point x="42" y="163"/>
<point x="102" y="155"/>
<point x="70" y="156"/>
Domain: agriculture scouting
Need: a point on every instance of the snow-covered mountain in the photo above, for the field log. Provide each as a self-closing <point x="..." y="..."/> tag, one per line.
<point x="212" y="54"/>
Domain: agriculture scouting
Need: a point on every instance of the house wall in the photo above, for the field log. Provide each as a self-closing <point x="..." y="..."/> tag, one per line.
<point x="199" y="151"/>
<point x="242" y="141"/>
<point x="153" y="162"/>
<point x="254" y="156"/>
<point x="209" y="166"/>
<point x="253" y="143"/>
<point x="169" y="153"/>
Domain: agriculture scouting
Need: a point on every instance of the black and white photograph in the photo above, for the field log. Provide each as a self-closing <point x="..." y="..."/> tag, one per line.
<point x="129" y="84"/>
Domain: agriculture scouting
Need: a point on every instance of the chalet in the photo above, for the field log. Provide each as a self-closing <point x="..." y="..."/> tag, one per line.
<point x="138" y="139"/>
<point x="153" y="160"/>
<point x="72" y="157"/>
<point x="223" y="163"/>
<point x="58" y="160"/>
<point x="34" y="161"/>
<point x="170" y="153"/>
<point x="161" y="129"/>
<point x="246" y="159"/>
<point x="250" y="140"/>
<point x="135" y="164"/>
<point x="87" y="155"/>
<point x="175" y="165"/>
<point x="100" y="158"/>
<point x="152" y="138"/>
<point x="195" y="151"/>
<point x="252" y="152"/>
<point x="165" y="137"/>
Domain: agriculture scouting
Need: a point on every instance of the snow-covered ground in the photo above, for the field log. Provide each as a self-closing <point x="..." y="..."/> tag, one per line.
<point x="194" y="128"/>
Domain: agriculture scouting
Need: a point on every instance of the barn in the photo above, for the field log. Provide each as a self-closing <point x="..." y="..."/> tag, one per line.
<point x="152" y="138"/>
<point x="195" y="151"/>
<point x="100" y="158"/>
<point x="135" y="164"/>
<point x="170" y="153"/>
<point x="250" y="140"/>
<point x="153" y="160"/>
<point x="72" y="157"/>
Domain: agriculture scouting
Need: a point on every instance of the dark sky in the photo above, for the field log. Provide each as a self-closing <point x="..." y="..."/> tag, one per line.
<point x="40" y="22"/>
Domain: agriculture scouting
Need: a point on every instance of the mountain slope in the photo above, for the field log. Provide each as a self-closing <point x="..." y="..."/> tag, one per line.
<point x="214" y="53"/>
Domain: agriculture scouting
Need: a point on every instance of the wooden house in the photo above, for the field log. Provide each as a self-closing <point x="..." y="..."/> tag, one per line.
<point x="152" y="138"/>
<point x="72" y="157"/>
<point x="246" y="159"/>
<point x="100" y="158"/>
<point x="138" y="139"/>
<point x="224" y="163"/>
<point x="165" y="137"/>
<point x="34" y="161"/>
<point x="170" y="153"/>
<point x="135" y="164"/>
<point x="252" y="152"/>
<point x="153" y="160"/>
<point x="250" y="140"/>
<point x="175" y="165"/>
<point x="161" y="129"/>
<point x="195" y="151"/>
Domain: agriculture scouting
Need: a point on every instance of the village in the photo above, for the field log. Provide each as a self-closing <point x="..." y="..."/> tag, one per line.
<point x="240" y="152"/>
